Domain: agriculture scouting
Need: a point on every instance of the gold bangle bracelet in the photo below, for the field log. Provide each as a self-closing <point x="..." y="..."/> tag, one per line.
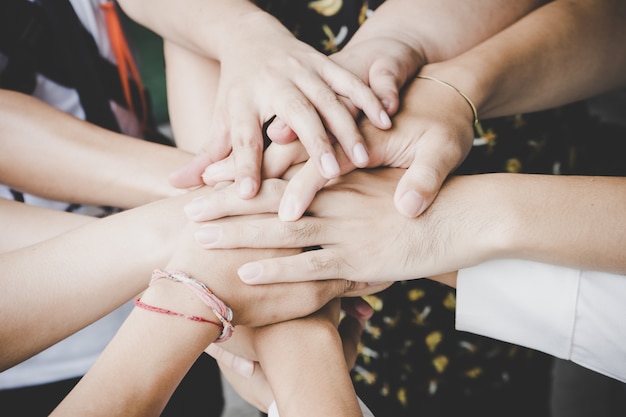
<point x="477" y="124"/>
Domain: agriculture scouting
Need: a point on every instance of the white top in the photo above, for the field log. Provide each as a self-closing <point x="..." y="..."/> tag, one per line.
<point x="568" y="313"/>
<point x="73" y="356"/>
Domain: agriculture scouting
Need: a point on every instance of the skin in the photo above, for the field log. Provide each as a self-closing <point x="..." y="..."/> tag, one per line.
<point x="259" y="81"/>
<point x="532" y="224"/>
<point x="159" y="229"/>
<point x="43" y="237"/>
<point x="280" y="77"/>
<point x="124" y="179"/>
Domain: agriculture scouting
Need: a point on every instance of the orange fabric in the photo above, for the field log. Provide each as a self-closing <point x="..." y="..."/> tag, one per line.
<point x="125" y="62"/>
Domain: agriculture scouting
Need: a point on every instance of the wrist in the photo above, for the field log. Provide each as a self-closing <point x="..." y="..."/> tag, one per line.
<point x="462" y="77"/>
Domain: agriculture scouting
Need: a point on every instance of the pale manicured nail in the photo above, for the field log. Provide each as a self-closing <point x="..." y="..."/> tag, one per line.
<point x="195" y="208"/>
<point x="411" y="203"/>
<point x="208" y="235"/>
<point x="288" y="210"/>
<point x="330" y="167"/>
<point x="384" y="119"/>
<point x="361" y="157"/>
<point x="250" y="272"/>
<point x="246" y="187"/>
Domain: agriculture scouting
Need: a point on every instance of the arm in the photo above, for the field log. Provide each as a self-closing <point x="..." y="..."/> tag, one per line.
<point x="308" y="351"/>
<point x="112" y="259"/>
<point x="265" y="72"/>
<point x="387" y="50"/>
<point x="562" y="52"/>
<point x="571" y="221"/>
<point x="62" y="154"/>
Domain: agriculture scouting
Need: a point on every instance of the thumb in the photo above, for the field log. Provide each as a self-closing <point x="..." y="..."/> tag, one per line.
<point x="386" y="84"/>
<point x="420" y="184"/>
<point x="435" y="155"/>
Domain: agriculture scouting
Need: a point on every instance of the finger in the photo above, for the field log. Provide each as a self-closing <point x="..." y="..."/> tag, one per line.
<point x="226" y="202"/>
<point x="255" y="390"/>
<point x="247" y="152"/>
<point x="349" y="85"/>
<point x="279" y="132"/>
<point x="300" y="191"/>
<point x="305" y="184"/>
<point x="338" y="121"/>
<point x="265" y="233"/>
<point x="297" y="111"/>
<point x="386" y="85"/>
<point x="433" y="161"/>
<point x="352" y="326"/>
<point x="219" y="171"/>
<point x="241" y="366"/>
<point x="277" y="159"/>
<point x="215" y="150"/>
<point x="313" y="265"/>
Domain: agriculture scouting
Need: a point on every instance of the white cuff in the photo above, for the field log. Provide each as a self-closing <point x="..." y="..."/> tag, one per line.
<point x="600" y="333"/>
<point x="522" y="302"/>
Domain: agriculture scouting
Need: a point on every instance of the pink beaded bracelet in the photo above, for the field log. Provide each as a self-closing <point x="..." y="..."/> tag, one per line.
<point x="221" y="311"/>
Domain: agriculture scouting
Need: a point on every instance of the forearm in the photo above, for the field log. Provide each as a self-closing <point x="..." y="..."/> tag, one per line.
<point x="146" y="360"/>
<point x="74" y="161"/>
<point x="24" y="225"/>
<point x="562" y="220"/>
<point x="562" y="52"/>
<point x="72" y="280"/>
<point x="206" y="27"/>
<point x="304" y="363"/>
<point x="442" y="30"/>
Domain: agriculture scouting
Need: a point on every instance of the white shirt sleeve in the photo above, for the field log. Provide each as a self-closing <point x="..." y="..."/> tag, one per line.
<point x="568" y="313"/>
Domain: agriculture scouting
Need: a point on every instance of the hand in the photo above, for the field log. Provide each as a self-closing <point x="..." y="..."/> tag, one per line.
<point x="361" y="235"/>
<point x="256" y="306"/>
<point x="383" y="63"/>
<point x="286" y="78"/>
<point x="431" y="136"/>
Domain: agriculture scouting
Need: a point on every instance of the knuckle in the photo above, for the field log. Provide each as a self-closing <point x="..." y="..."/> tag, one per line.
<point x="274" y="186"/>
<point x="300" y="105"/>
<point x="321" y="262"/>
<point x="299" y="231"/>
<point x="327" y="97"/>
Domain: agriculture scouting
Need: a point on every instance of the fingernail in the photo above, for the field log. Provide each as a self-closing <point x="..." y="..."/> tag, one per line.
<point x="361" y="158"/>
<point x="246" y="187"/>
<point x="384" y="119"/>
<point x="195" y="208"/>
<point x="330" y="167"/>
<point x="411" y="203"/>
<point x="208" y="234"/>
<point x="288" y="210"/>
<point x="250" y="272"/>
